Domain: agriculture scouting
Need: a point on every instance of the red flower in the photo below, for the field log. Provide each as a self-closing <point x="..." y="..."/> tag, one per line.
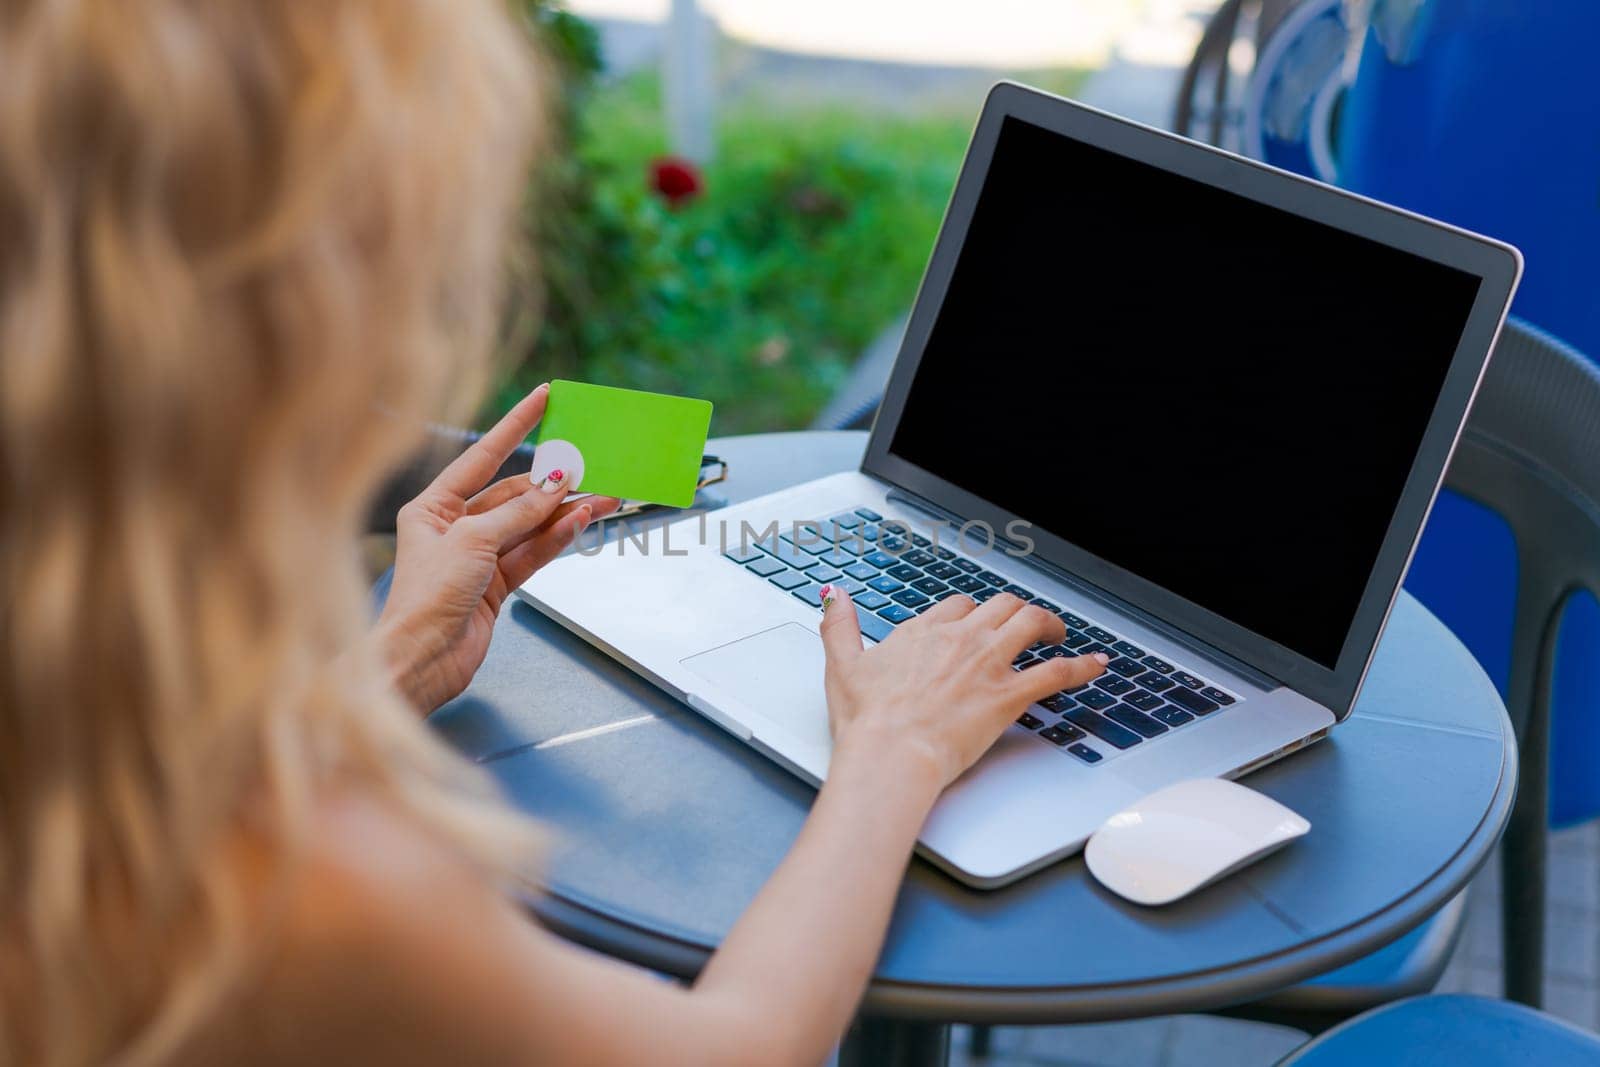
<point x="676" y="179"/>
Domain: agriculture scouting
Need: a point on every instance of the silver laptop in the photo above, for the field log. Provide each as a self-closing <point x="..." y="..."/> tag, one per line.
<point x="1196" y="406"/>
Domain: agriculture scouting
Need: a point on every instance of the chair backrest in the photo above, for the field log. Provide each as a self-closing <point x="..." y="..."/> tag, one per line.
<point x="1531" y="453"/>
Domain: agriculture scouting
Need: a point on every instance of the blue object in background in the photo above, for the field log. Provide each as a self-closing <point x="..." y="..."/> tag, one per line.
<point x="1490" y="119"/>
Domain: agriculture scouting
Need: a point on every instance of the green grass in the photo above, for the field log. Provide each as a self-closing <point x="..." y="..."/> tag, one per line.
<point x="809" y="239"/>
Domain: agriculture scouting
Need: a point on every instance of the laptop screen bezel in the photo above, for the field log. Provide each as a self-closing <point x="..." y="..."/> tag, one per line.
<point x="1498" y="266"/>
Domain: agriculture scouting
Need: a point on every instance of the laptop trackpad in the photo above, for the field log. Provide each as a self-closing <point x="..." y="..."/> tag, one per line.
<point x="777" y="675"/>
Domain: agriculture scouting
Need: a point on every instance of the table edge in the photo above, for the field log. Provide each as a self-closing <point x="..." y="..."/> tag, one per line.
<point x="1195" y="991"/>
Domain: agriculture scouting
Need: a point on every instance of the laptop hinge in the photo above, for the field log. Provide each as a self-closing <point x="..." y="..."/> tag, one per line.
<point x="939" y="515"/>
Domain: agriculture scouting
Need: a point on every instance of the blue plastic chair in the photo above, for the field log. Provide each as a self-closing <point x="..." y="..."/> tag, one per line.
<point x="1479" y="114"/>
<point x="1457" y="1031"/>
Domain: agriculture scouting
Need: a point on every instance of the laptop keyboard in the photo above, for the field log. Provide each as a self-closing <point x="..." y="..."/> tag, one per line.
<point x="894" y="574"/>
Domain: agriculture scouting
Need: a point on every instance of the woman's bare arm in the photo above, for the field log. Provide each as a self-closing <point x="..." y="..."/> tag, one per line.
<point x="450" y="967"/>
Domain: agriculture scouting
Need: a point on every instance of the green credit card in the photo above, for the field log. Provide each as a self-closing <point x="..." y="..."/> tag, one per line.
<point x="623" y="442"/>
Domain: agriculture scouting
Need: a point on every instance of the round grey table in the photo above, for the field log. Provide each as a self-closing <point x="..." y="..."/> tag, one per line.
<point x="667" y="827"/>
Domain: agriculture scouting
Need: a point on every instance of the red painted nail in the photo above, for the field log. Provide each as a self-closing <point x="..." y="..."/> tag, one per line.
<point x="557" y="474"/>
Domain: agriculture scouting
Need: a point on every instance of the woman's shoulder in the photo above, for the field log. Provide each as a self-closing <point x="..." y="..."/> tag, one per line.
<point x="366" y="919"/>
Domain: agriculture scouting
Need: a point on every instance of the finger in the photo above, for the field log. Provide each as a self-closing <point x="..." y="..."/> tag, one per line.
<point x="520" y="564"/>
<point x="1031" y="623"/>
<point x="498" y="494"/>
<point x="994" y="612"/>
<point x="514" y="521"/>
<point x="1054" y="675"/>
<point x="841" y="630"/>
<point x="471" y="470"/>
<point x="950" y="609"/>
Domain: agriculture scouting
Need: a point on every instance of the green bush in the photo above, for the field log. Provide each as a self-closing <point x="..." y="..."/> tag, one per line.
<point x="809" y="238"/>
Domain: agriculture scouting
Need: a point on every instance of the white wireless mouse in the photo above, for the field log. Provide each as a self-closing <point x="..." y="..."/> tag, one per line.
<point x="1186" y="836"/>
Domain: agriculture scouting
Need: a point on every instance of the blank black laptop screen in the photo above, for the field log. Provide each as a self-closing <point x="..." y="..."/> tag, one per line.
<point x="1216" y="395"/>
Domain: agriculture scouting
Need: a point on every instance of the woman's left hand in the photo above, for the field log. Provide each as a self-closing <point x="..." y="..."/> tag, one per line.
<point x="461" y="548"/>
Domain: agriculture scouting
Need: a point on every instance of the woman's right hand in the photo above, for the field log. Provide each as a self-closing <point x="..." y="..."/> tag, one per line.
<point x="941" y="687"/>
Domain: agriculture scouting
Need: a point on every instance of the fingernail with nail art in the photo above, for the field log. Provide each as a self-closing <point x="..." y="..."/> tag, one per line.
<point x="828" y="594"/>
<point x="554" y="480"/>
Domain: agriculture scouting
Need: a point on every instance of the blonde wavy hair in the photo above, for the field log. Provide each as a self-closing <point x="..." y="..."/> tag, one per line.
<point x="248" y="246"/>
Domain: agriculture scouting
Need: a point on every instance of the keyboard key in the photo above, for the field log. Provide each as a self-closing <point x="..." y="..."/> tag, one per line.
<point x="1146" y="702"/>
<point x="806" y="534"/>
<point x="946" y="594"/>
<point x="1074" y="621"/>
<point x="1085" y="753"/>
<point x="822" y="574"/>
<point x="966" y="584"/>
<point x="1096" y="698"/>
<point x="1074" y="639"/>
<point x="1103" y="728"/>
<point x="811" y="594"/>
<point x="886" y="584"/>
<point x="1135" y="720"/>
<point x="1022" y="657"/>
<point x="943" y="553"/>
<point x="836" y="557"/>
<point x="881" y="560"/>
<point x="1054" y="652"/>
<point x="985" y="594"/>
<point x="1156" y="683"/>
<point x="1031" y="722"/>
<point x="849" y="585"/>
<point x="1018" y="592"/>
<point x="862" y="572"/>
<point x="1183" y="678"/>
<point x="920" y="541"/>
<point x="1126" y="667"/>
<point x="910" y="598"/>
<point x="743" y="554"/>
<point x="1091" y="649"/>
<point x="943" y="571"/>
<point x="929" y="606"/>
<point x="1194" y="702"/>
<point x="871" y="625"/>
<point x="1114" y="685"/>
<point x="918" y="558"/>
<point x="991" y="577"/>
<point x="765" y="566"/>
<point x="1040" y="601"/>
<point x="1057" y="736"/>
<point x="869" y="514"/>
<point x="1128" y="649"/>
<point x="1173" y="716"/>
<point x="1105" y="637"/>
<point x="852" y="544"/>
<point x="904" y="572"/>
<point x="893" y="543"/>
<point x="1211" y="692"/>
<point x="788" y="580"/>
<point x="791" y="555"/>
<point x="849" y="520"/>
<point x="869" y="532"/>
<point x="929" y="586"/>
<point x="1160" y="666"/>
<point x="870" y="600"/>
<point x="1058" y="702"/>
<point x="896" y="614"/>
<point x="966" y="565"/>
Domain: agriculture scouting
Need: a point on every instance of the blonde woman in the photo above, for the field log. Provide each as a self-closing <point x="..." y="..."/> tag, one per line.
<point x="232" y="232"/>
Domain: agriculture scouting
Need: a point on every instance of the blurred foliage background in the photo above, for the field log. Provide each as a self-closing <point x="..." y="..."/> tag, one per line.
<point x="807" y="239"/>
